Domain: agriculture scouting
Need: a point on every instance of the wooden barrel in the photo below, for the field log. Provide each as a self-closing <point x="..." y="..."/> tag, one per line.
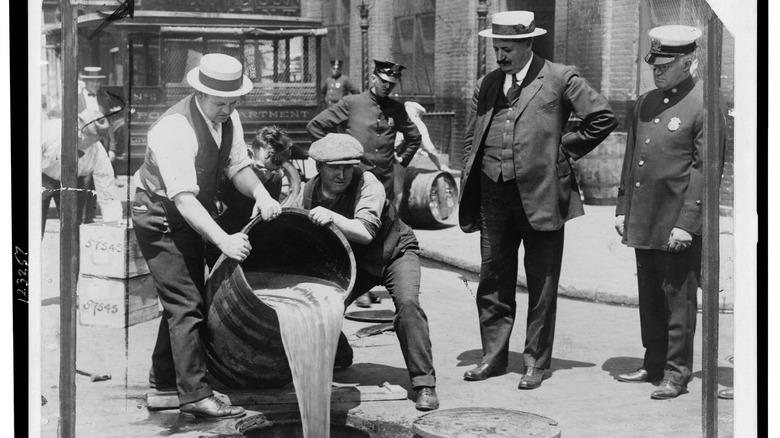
<point x="599" y="171"/>
<point x="430" y="197"/>
<point x="242" y="340"/>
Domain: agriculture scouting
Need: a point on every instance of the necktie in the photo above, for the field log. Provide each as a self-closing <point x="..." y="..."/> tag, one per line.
<point x="91" y="94"/>
<point x="514" y="90"/>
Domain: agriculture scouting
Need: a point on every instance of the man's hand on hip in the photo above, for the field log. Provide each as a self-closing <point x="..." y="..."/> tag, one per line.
<point x="236" y="246"/>
<point x="620" y="223"/>
<point x="679" y="240"/>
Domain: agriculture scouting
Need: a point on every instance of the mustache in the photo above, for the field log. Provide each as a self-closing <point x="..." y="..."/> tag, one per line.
<point x="503" y="62"/>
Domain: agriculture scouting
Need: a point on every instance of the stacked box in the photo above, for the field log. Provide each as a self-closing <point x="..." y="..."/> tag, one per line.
<point x="115" y="288"/>
<point x="116" y="302"/>
<point x="109" y="249"/>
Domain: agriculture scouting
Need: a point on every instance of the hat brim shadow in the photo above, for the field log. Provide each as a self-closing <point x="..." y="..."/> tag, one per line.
<point x="194" y="81"/>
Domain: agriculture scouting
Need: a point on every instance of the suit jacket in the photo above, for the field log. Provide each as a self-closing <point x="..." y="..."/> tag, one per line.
<point x="542" y="151"/>
<point x="662" y="182"/>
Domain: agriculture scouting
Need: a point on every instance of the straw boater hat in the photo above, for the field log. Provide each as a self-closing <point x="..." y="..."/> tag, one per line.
<point x="91" y="72"/>
<point x="219" y="75"/>
<point x="513" y="25"/>
<point x="336" y="149"/>
<point x="670" y="42"/>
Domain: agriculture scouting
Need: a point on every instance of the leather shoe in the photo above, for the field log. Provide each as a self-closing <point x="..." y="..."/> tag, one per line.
<point x="638" y="376"/>
<point x="726" y="394"/>
<point x="532" y="378"/>
<point x="667" y="389"/>
<point x="212" y="407"/>
<point x="427" y="399"/>
<point x="482" y="372"/>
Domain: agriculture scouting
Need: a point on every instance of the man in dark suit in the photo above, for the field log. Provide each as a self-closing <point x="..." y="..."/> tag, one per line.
<point x="518" y="186"/>
<point x="659" y="211"/>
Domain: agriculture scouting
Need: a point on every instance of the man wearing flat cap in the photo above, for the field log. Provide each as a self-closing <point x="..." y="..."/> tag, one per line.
<point x="337" y="85"/>
<point x="373" y="118"/>
<point x="518" y="187"/>
<point x="385" y="248"/>
<point x="193" y="145"/>
<point x="659" y="211"/>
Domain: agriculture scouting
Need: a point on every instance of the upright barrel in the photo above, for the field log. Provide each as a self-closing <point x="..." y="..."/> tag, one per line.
<point x="430" y="197"/>
<point x="599" y="171"/>
<point x="242" y="340"/>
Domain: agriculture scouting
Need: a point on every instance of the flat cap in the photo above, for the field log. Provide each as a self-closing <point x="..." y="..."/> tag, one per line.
<point x="669" y="42"/>
<point x="336" y="149"/>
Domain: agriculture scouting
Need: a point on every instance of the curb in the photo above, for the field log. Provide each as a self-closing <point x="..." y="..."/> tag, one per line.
<point x="593" y="295"/>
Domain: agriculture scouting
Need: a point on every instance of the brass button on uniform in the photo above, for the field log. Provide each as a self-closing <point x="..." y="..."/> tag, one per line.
<point x="637" y="184"/>
<point x="666" y="100"/>
<point x="656" y="120"/>
<point x="641" y="162"/>
<point x="647" y="141"/>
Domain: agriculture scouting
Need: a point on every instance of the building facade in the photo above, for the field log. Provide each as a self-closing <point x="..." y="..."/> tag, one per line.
<point x="437" y="40"/>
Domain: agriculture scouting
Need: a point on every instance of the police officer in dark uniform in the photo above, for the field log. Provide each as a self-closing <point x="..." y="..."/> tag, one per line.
<point x="373" y="118"/>
<point x="337" y="85"/>
<point x="659" y="211"/>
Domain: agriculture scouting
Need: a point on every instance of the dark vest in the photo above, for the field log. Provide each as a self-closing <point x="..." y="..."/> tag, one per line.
<point x="393" y="238"/>
<point x="210" y="160"/>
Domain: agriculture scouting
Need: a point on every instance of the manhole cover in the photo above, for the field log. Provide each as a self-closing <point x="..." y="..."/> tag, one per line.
<point x="484" y="423"/>
<point x="386" y="315"/>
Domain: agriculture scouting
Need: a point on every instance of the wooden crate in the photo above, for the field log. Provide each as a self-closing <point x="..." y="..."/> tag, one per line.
<point x="102" y="300"/>
<point x="109" y="249"/>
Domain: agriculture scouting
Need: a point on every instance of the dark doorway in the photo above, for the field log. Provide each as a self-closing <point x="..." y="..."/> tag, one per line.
<point x="544" y="16"/>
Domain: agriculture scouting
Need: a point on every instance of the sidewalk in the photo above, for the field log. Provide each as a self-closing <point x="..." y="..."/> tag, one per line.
<point x="596" y="266"/>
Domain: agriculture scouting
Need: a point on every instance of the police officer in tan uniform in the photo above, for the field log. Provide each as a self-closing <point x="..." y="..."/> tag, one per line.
<point x="659" y="211"/>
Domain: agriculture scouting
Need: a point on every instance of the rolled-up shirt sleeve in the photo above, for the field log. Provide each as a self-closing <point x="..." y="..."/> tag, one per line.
<point x="174" y="145"/>
<point x="239" y="159"/>
<point x="371" y="200"/>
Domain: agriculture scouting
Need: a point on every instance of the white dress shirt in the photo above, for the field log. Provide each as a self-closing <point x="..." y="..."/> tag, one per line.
<point x="175" y="146"/>
<point x="519" y="75"/>
<point x="94" y="161"/>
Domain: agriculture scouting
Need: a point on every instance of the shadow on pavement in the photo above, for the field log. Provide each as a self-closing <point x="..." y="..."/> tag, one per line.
<point x="725" y="376"/>
<point x="474" y="358"/>
<point x="372" y="374"/>
<point x="620" y="365"/>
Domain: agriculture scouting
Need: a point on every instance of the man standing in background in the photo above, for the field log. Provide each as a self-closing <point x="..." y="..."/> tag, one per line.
<point x="337" y="85"/>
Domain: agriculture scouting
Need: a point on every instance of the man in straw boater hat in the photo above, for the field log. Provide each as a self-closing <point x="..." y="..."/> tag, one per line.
<point x="337" y="85"/>
<point x="518" y="186"/>
<point x="191" y="146"/>
<point x="385" y="249"/>
<point x="373" y="118"/>
<point x="659" y="211"/>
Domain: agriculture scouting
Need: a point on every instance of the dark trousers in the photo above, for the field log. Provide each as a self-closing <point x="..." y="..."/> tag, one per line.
<point x="667" y="309"/>
<point x="51" y="191"/>
<point x="401" y="277"/>
<point x="174" y="253"/>
<point x="504" y="226"/>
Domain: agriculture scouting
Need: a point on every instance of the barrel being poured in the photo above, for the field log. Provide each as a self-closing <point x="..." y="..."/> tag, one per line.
<point x="291" y="257"/>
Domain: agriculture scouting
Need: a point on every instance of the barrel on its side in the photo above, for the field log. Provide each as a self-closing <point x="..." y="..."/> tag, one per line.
<point x="430" y="197"/>
<point x="242" y="340"/>
<point x="599" y="171"/>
